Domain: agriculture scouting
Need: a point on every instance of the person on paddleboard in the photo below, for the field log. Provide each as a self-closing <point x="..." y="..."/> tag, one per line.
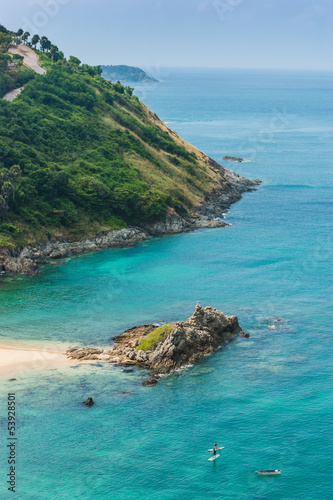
<point x="215" y="449"/>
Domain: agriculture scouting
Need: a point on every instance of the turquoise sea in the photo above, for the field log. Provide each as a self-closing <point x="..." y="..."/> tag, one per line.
<point x="268" y="400"/>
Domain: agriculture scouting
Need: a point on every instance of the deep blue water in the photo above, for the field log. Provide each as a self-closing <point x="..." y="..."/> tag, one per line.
<point x="267" y="400"/>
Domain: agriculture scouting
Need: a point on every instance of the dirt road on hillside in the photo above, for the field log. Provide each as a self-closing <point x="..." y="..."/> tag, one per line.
<point x="31" y="59"/>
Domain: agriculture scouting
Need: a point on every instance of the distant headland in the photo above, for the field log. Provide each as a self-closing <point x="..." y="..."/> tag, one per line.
<point x="126" y="74"/>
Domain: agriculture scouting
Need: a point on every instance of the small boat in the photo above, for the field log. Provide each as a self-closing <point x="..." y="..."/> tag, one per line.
<point x="214" y="457"/>
<point x="268" y="472"/>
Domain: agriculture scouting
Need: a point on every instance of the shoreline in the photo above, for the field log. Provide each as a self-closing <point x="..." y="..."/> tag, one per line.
<point x="208" y="215"/>
<point x="17" y="358"/>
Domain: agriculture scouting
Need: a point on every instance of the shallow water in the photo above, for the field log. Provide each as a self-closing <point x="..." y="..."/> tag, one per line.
<point x="267" y="400"/>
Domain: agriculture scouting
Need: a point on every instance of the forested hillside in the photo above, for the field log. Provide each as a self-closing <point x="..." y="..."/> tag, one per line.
<point x="79" y="155"/>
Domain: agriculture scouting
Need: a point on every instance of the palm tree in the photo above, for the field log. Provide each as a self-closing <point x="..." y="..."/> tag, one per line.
<point x="35" y="40"/>
<point x="54" y="53"/>
<point x="25" y="37"/>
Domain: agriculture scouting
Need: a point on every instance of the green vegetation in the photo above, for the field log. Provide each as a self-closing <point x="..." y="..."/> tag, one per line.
<point x="126" y="73"/>
<point x="80" y="155"/>
<point x="15" y="75"/>
<point x="149" y="342"/>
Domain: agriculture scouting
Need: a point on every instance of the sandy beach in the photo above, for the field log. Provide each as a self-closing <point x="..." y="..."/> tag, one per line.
<point x="15" y="359"/>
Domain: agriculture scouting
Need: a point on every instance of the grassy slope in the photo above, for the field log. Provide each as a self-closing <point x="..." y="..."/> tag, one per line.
<point x="92" y="158"/>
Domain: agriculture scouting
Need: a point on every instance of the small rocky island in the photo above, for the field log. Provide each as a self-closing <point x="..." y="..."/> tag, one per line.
<point x="168" y="347"/>
<point x="235" y="158"/>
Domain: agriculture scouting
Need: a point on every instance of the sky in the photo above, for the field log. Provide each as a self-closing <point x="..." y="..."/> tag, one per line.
<point x="291" y="34"/>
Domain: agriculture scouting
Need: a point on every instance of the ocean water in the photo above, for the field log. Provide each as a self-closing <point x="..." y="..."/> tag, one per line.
<point x="268" y="399"/>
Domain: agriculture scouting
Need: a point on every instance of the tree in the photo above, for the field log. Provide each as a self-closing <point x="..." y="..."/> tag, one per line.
<point x="3" y="204"/>
<point x="6" y="188"/>
<point x="54" y="53"/>
<point x="5" y="41"/>
<point x="25" y="37"/>
<point x="74" y="61"/>
<point x="118" y="87"/>
<point x="35" y="40"/>
<point x="129" y="90"/>
<point x="19" y="33"/>
<point x="45" y="43"/>
<point x="15" y="173"/>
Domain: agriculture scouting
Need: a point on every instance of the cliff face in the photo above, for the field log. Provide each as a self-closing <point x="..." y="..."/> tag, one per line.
<point x="188" y="342"/>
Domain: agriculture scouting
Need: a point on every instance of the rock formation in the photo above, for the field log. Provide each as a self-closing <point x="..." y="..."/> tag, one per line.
<point x="188" y="342"/>
<point x="191" y="340"/>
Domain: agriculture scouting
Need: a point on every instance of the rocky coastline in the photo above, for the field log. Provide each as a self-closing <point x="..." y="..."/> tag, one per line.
<point x="186" y="343"/>
<point x="208" y="215"/>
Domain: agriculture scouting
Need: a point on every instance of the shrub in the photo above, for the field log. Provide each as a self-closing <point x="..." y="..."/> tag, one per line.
<point x="149" y="342"/>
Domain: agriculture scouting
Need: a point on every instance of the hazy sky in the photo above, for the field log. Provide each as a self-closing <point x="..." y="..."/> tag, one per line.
<point x="204" y="33"/>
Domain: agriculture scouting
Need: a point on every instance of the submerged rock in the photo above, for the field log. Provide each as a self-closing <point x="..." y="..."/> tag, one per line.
<point x="150" y="381"/>
<point x="88" y="402"/>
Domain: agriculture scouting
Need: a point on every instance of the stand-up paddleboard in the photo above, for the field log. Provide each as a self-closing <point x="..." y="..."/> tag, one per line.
<point x="214" y="457"/>
<point x="221" y="448"/>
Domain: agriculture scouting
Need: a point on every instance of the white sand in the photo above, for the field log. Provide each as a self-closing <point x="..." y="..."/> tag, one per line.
<point x="19" y="358"/>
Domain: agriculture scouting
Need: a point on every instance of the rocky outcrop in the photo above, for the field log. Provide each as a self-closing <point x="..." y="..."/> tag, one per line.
<point x="187" y="343"/>
<point x="232" y="187"/>
<point x="85" y="354"/>
<point x="190" y="341"/>
<point x="19" y="265"/>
